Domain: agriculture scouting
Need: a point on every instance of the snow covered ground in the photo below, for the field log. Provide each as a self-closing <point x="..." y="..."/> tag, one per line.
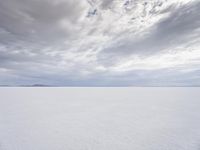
<point x="99" y="118"/>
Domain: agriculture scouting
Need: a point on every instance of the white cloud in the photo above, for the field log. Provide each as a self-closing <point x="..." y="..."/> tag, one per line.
<point x="63" y="40"/>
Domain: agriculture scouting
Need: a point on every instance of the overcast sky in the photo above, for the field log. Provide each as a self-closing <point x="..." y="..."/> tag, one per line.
<point x="100" y="42"/>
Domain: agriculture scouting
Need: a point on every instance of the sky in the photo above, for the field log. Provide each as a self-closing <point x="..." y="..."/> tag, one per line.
<point x="100" y="42"/>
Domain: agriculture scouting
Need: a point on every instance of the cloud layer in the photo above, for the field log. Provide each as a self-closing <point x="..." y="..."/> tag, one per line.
<point x="100" y="42"/>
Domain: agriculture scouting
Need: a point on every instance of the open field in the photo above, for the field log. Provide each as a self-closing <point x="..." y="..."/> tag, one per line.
<point x="99" y="118"/>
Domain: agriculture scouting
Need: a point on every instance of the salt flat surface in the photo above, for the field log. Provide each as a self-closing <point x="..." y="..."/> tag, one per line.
<point x="99" y="118"/>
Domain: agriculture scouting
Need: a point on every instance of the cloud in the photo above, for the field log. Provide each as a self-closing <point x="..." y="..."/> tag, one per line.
<point x="94" y="42"/>
<point x="179" y="28"/>
<point x="106" y="3"/>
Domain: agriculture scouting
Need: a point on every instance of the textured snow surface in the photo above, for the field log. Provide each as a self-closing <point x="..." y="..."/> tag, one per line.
<point x="100" y="119"/>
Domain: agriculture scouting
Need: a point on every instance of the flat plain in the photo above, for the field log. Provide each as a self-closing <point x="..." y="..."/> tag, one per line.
<point x="150" y="118"/>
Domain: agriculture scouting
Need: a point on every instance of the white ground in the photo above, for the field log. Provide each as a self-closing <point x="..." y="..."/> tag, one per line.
<point x="99" y="118"/>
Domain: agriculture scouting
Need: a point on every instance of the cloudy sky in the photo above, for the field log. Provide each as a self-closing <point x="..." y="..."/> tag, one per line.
<point x="100" y="42"/>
